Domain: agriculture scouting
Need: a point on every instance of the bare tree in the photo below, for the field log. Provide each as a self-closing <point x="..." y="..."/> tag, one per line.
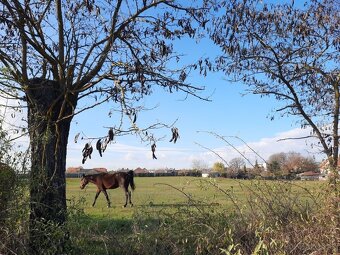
<point x="199" y="164"/>
<point x="55" y="53"/>
<point x="236" y="166"/>
<point x="289" y="52"/>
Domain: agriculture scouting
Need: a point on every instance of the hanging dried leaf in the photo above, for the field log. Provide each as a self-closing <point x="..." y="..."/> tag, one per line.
<point x="175" y="135"/>
<point x="76" y="138"/>
<point x="99" y="147"/>
<point x="87" y="151"/>
<point x="134" y="118"/>
<point x="105" y="143"/>
<point x="153" y="149"/>
<point x="111" y="134"/>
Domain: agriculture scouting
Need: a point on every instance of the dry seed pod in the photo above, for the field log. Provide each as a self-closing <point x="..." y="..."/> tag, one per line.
<point x="99" y="147"/>
<point x="153" y="149"/>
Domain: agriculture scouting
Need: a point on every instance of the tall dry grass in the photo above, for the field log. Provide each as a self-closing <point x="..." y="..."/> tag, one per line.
<point x="276" y="218"/>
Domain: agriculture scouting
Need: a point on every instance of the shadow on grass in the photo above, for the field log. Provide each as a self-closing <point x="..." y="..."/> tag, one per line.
<point x="103" y="234"/>
<point x="178" y="205"/>
<point x="103" y="223"/>
<point x="98" y="234"/>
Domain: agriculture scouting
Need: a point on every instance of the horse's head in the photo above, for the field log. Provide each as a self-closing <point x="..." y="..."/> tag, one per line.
<point x="83" y="182"/>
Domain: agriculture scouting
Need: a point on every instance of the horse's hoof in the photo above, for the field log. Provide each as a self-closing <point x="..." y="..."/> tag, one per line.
<point x="124" y="206"/>
<point x="131" y="205"/>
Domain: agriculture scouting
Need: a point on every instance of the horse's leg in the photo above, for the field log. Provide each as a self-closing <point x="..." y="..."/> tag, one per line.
<point x="130" y="198"/>
<point x="126" y="196"/>
<point x="95" y="198"/>
<point x="107" y="198"/>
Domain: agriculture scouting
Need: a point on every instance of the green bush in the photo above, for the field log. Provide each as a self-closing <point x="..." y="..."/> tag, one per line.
<point x="7" y="186"/>
<point x="13" y="212"/>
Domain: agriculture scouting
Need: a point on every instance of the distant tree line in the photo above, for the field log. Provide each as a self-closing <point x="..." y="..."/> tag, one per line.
<point x="190" y="172"/>
<point x="278" y="166"/>
<point x="283" y="165"/>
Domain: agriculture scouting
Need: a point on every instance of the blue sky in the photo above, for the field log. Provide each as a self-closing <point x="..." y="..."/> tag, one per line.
<point x="230" y="113"/>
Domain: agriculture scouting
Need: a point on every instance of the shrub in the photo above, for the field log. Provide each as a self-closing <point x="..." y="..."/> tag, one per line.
<point x="13" y="213"/>
<point x="7" y="184"/>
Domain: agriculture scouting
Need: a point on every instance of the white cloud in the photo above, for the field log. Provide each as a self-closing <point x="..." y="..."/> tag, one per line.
<point x="120" y="155"/>
<point x="281" y="142"/>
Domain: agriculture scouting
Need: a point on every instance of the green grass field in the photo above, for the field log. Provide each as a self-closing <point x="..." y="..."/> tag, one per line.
<point x="169" y="211"/>
<point x="170" y="192"/>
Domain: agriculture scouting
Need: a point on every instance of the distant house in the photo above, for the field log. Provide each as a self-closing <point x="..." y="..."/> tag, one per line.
<point x="92" y="171"/>
<point x="214" y="174"/>
<point x="182" y="172"/>
<point x="122" y="170"/>
<point x="206" y="174"/>
<point x="325" y="168"/>
<point x="100" y="169"/>
<point x="140" y="170"/>
<point x="79" y="171"/>
<point x="73" y="170"/>
<point x="310" y="176"/>
<point x="263" y="166"/>
<point x="160" y="171"/>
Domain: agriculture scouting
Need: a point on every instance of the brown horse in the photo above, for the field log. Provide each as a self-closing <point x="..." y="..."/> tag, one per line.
<point x="105" y="181"/>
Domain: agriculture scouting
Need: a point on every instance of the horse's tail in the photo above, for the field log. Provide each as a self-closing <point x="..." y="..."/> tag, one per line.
<point x="130" y="175"/>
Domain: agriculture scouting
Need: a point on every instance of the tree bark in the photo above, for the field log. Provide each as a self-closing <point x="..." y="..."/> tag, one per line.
<point x="48" y="144"/>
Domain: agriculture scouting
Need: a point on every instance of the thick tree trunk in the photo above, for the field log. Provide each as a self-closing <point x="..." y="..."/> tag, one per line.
<point x="48" y="141"/>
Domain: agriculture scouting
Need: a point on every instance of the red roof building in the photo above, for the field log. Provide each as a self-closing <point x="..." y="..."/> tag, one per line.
<point x="139" y="170"/>
<point x="310" y="175"/>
